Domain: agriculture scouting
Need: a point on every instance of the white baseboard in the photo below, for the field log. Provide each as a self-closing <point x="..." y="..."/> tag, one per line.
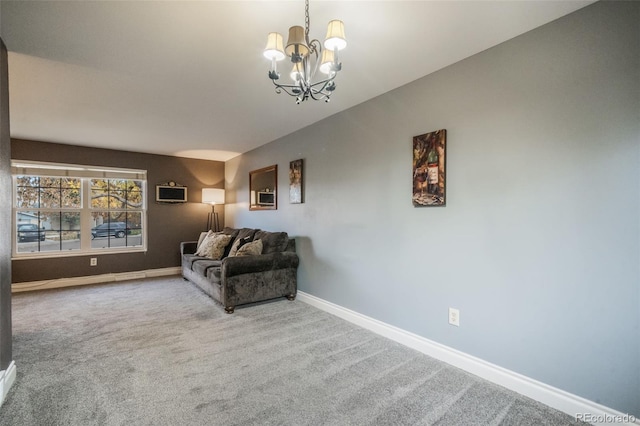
<point x="566" y="402"/>
<point x="93" y="279"/>
<point x="7" y="377"/>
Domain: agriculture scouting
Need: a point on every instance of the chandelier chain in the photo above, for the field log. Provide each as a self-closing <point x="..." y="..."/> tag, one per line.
<point x="306" y="20"/>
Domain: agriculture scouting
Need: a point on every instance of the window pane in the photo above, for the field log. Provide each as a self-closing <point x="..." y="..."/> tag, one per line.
<point x="47" y="192"/>
<point x="134" y="194"/>
<point x="70" y="193"/>
<point x="49" y="182"/>
<point x="26" y="196"/>
<point x="134" y="185"/>
<point x="98" y="218"/>
<point x="27" y="217"/>
<point x="119" y="216"/>
<point x="117" y="184"/>
<point x="70" y="221"/>
<point x="29" y="235"/>
<point x="134" y="235"/>
<point x="69" y="183"/>
<point x="50" y="223"/>
<point x="99" y="199"/>
<point x="33" y="181"/>
<point x="117" y="199"/>
<point x="71" y="198"/>
<point x="50" y="198"/>
<point x="99" y="184"/>
<point x="116" y="194"/>
<point x="68" y="233"/>
<point x="47" y="231"/>
<point x="99" y="194"/>
<point x="116" y="229"/>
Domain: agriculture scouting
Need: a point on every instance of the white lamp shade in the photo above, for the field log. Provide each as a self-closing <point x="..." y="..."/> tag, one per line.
<point x="327" y="61"/>
<point x="335" y="36"/>
<point x="213" y="196"/>
<point x="274" y="48"/>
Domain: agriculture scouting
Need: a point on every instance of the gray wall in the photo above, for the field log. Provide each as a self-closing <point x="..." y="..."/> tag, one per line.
<point x="538" y="245"/>
<point x="5" y="214"/>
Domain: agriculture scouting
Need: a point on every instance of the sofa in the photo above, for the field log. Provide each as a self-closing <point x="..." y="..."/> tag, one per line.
<point x="235" y="280"/>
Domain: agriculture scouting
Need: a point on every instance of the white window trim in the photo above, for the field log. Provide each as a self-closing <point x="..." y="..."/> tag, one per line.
<point x="86" y="173"/>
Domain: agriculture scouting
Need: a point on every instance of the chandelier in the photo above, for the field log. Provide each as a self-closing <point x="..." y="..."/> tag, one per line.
<point x="308" y="57"/>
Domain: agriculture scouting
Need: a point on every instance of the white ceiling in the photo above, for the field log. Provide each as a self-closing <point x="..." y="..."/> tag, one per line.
<point x="188" y="78"/>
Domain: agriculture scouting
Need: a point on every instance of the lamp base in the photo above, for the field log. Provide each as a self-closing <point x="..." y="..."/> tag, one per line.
<point x="213" y="222"/>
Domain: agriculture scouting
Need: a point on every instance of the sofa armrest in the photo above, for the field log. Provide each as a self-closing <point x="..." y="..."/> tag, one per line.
<point x="188" y="247"/>
<point x="232" y="266"/>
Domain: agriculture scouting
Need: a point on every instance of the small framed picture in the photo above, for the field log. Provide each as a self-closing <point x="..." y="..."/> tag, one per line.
<point x="295" y="182"/>
<point x="429" y="173"/>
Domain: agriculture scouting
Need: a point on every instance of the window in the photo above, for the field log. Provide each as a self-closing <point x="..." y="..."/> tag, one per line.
<point x="116" y="209"/>
<point x="71" y="210"/>
<point x="47" y="213"/>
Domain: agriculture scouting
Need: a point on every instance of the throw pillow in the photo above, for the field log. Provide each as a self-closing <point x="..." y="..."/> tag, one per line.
<point x="203" y="235"/>
<point x="204" y="239"/>
<point x="239" y="243"/>
<point x="253" y="248"/>
<point x="214" y="246"/>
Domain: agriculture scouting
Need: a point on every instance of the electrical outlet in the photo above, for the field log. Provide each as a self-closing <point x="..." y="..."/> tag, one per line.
<point x="93" y="261"/>
<point x="454" y="317"/>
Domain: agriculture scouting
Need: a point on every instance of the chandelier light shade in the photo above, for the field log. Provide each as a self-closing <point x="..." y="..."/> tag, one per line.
<point x="275" y="48"/>
<point x="296" y="45"/>
<point x="327" y="61"/>
<point x="308" y="57"/>
<point x="335" y="38"/>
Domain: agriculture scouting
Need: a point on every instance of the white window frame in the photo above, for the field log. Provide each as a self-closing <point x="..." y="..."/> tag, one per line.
<point x="85" y="174"/>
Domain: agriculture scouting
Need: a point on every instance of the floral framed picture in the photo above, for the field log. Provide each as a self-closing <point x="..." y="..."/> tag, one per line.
<point x="295" y="182"/>
<point x="429" y="172"/>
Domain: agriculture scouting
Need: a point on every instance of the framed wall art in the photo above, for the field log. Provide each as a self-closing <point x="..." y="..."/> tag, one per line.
<point x="262" y="188"/>
<point x="295" y="182"/>
<point x="429" y="169"/>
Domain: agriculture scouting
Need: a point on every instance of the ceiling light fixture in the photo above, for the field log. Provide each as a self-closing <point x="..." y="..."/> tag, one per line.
<point x="307" y="56"/>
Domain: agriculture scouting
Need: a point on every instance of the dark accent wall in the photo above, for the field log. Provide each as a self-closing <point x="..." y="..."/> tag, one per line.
<point x="5" y="214"/>
<point x="167" y="224"/>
